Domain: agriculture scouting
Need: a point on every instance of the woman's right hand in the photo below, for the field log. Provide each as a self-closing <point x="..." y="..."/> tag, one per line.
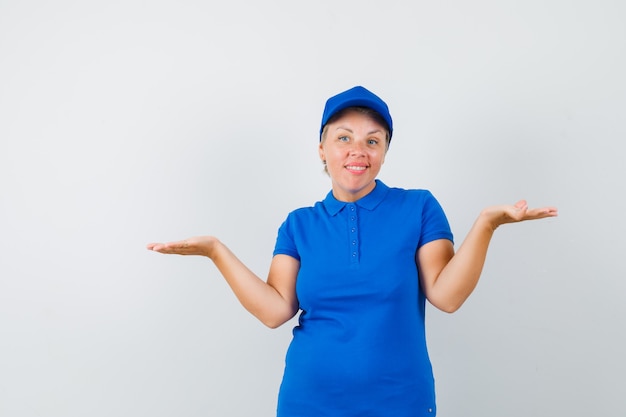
<point x="199" y="245"/>
<point x="273" y="302"/>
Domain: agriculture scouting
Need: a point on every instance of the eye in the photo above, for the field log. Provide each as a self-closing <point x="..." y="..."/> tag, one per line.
<point x="372" y="141"/>
<point x="343" y="139"/>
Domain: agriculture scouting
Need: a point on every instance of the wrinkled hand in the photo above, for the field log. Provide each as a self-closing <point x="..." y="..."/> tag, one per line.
<point x="200" y="245"/>
<point x="498" y="215"/>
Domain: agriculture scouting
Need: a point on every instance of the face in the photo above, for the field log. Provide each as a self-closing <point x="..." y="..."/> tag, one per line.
<point x="354" y="149"/>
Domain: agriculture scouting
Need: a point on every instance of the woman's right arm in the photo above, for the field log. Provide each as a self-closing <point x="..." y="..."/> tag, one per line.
<point x="274" y="301"/>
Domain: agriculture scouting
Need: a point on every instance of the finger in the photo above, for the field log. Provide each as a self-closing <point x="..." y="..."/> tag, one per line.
<point x="165" y="247"/>
<point x="541" y="213"/>
<point x="183" y="247"/>
<point x="520" y="205"/>
<point x="157" y="247"/>
<point x="180" y="245"/>
<point x="161" y="249"/>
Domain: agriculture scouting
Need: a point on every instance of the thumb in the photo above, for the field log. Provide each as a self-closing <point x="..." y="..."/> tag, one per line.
<point x="521" y="205"/>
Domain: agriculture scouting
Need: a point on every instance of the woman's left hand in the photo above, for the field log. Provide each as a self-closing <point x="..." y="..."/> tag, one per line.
<point x="498" y="215"/>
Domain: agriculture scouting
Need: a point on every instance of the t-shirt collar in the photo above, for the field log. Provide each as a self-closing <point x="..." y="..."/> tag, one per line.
<point x="368" y="202"/>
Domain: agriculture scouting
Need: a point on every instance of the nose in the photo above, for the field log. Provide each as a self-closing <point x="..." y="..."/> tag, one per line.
<point x="357" y="148"/>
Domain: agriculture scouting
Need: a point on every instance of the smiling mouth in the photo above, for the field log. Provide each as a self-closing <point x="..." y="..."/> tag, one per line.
<point x="356" y="168"/>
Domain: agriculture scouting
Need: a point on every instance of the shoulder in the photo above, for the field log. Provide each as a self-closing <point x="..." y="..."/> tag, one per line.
<point x="306" y="210"/>
<point x="304" y="215"/>
<point x="412" y="195"/>
<point x="414" y="203"/>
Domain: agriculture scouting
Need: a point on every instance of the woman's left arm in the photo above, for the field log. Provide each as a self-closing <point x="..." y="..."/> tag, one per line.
<point x="447" y="278"/>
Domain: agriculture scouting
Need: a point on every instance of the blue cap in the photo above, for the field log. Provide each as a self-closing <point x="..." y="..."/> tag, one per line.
<point x="356" y="97"/>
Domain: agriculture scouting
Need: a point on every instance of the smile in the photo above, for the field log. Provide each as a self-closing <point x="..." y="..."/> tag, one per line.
<point x="356" y="168"/>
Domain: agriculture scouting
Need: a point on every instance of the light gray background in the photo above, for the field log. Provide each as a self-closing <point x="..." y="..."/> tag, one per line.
<point x="126" y="122"/>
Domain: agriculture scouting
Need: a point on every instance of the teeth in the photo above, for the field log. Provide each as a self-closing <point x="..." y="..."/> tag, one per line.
<point x="354" y="168"/>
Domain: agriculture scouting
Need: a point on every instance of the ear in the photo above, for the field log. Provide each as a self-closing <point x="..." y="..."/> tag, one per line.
<point x="320" y="149"/>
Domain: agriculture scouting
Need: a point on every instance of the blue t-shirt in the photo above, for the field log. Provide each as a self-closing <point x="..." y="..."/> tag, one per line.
<point x="359" y="348"/>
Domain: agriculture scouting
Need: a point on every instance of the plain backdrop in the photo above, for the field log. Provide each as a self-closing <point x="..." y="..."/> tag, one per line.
<point x="127" y="122"/>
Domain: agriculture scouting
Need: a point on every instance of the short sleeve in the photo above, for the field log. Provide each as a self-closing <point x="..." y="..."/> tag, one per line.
<point x="434" y="222"/>
<point x="285" y="243"/>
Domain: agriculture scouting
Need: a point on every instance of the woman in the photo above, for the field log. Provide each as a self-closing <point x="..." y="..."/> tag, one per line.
<point x="359" y="265"/>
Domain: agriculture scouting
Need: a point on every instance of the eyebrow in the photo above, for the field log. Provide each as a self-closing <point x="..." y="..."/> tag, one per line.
<point x="369" y="133"/>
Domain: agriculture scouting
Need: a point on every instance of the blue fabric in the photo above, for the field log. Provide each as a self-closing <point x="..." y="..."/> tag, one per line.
<point x="356" y="96"/>
<point x="359" y="348"/>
